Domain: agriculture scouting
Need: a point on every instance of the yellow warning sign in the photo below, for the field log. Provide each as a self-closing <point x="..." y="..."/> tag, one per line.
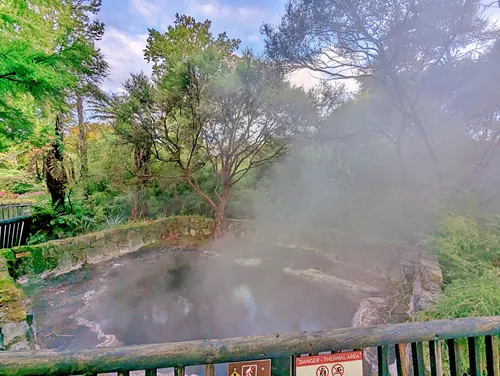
<point x="235" y="374"/>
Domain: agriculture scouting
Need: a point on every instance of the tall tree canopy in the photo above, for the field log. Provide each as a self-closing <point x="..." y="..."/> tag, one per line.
<point x="215" y="109"/>
<point x="394" y="46"/>
<point x="43" y="54"/>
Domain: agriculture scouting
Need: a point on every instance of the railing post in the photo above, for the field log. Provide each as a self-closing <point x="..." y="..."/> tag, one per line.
<point x="474" y="356"/>
<point x="179" y="371"/>
<point x="293" y="359"/>
<point x="492" y="358"/>
<point x="454" y="356"/>
<point x="383" y="361"/>
<point x="281" y="366"/>
<point x="401" y="364"/>
<point x="210" y="370"/>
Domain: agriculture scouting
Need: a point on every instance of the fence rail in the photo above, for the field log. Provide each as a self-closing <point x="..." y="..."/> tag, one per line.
<point x="14" y="210"/>
<point x="386" y="338"/>
<point x="15" y="223"/>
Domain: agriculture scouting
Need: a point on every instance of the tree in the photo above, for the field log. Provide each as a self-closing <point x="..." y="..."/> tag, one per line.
<point x="133" y="114"/>
<point x="215" y="109"/>
<point x="248" y="119"/>
<point x="390" y="45"/>
<point x="39" y="60"/>
<point x="470" y="77"/>
<point x="182" y="42"/>
<point x="91" y="77"/>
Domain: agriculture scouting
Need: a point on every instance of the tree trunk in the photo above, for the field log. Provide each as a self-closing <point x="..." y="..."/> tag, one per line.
<point x="55" y="174"/>
<point x="142" y="159"/>
<point x="220" y="215"/>
<point x="401" y="162"/>
<point x="82" y="145"/>
<point x="428" y="144"/>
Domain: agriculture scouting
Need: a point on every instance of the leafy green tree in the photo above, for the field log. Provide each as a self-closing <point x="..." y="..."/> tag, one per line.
<point x="40" y="59"/>
<point x="215" y="109"/>
<point x="133" y="114"/>
<point x="91" y="77"/>
<point x="184" y="41"/>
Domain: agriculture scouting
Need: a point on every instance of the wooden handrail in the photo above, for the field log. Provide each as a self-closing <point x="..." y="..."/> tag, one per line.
<point x="179" y="354"/>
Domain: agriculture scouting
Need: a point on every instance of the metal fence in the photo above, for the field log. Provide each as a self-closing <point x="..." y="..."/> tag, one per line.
<point x="446" y="347"/>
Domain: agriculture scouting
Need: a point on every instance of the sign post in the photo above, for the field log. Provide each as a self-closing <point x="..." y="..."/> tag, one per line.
<point x="340" y="364"/>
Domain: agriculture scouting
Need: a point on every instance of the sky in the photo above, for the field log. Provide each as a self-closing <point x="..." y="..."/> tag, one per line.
<point x="127" y="23"/>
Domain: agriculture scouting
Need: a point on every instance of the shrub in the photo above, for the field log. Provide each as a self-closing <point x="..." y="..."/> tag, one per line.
<point x="469" y="297"/>
<point x="462" y="243"/>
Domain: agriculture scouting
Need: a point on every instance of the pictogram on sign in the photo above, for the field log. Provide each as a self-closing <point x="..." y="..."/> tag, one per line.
<point x="322" y="371"/>
<point x="250" y="370"/>
<point x="338" y="370"/>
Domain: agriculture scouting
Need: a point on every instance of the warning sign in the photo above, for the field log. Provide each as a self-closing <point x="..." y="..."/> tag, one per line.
<point x="249" y="370"/>
<point x="340" y="364"/>
<point x="253" y="368"/>
<point x="322" y="371"/>
<point x="338" y="370"/>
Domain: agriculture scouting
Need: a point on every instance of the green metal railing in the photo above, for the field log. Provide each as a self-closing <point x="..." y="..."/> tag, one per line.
<point x="469" y="346"/>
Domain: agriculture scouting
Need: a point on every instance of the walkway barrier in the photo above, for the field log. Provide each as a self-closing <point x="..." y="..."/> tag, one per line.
<point x="435" y="348"/>
<point x="15" y="223"/>
<point x="14" y="210"/>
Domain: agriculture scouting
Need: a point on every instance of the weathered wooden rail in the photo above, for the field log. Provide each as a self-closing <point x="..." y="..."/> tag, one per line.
<point x="425" y="341"/>
<point x="14" y="210"/>
<point x="15" y="222"/>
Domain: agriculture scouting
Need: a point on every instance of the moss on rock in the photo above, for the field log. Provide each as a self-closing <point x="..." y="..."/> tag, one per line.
<point x="107" y="244"/>
<point x="12" y="300"/>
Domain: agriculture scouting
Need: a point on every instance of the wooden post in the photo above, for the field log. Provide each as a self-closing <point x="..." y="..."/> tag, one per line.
<point x="210" y="370"/>
<point x="401" y="363"/>
<point x="439" y="357"/>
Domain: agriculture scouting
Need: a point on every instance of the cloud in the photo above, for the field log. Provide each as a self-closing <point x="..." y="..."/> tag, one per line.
<point x="125" y="55"/>
<point x="308" y="78"/>
<point x="305" y="78"/>
<point x="123" y="43"/>
<point x="215" y="10"/>
<point x="146" y="8"/>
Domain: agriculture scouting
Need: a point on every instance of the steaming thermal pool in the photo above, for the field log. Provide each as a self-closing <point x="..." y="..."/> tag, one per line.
<point x="164" y="295"/>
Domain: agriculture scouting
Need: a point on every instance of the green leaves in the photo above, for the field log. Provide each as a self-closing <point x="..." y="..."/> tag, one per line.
<point x="43" y="56"/>
<point x="186" y="39"/>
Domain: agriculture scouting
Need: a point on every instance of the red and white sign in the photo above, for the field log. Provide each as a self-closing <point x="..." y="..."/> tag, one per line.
<point x="340" y="364"/>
